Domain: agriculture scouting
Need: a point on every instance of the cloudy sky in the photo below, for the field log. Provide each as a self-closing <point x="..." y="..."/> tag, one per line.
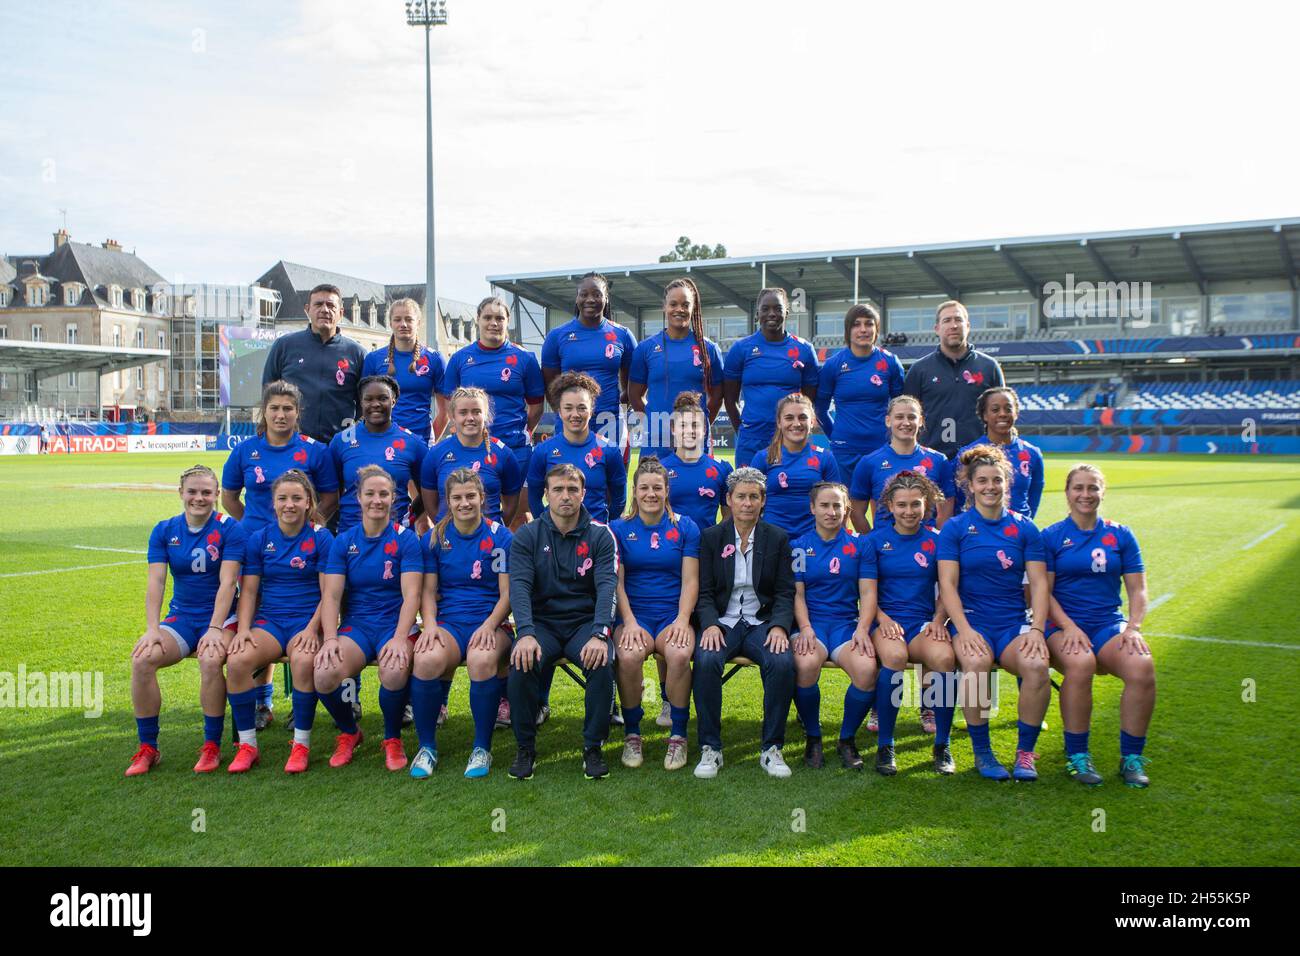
<point x="216" y="138"/>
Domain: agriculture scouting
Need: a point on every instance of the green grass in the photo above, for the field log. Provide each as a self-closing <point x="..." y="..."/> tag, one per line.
<point x="1223" y="792"/>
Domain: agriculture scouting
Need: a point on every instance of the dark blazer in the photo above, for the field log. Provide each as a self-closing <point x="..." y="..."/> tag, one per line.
<point x="773" y="574"/>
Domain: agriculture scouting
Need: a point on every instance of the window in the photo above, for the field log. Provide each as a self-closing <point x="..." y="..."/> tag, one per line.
<point x="37" y="293"/>
<point x="72" y="380"/>
<point x="139" y="338"/>
<point x="910" y="320"/>
<point x="73" y="333"/>
<point x="4" y="296"/>
<point x="38" y="333"/>
<point x="1184" y="316"/>
<point x="735" y="328"/>
<point x="651" y="327"/>
<point x="162" y="379"/>
<point x="137" y="299"/>
<point x="115" y="296"/>
<point x="71" y="294"/>
<point x="4" y="381"/>
<point x="139" y="376"/>
<point x="160" y="303"/>
<point x="356" y="313"/>
<point x="374" y="316"/>
<point x="117" y="336"/>
<point x="829" y="324"/>
<point x="1250" y="307"/>
<point x="162" y="339"/>
<point x="4" y="331"/>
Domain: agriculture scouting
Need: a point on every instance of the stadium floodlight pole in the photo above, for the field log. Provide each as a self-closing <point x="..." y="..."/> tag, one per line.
<point x="429" y="14"/>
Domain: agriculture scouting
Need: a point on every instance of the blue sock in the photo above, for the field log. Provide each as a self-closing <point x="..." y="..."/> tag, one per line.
<point x="243" y="708"/>
<point x="446" y="690"/>
<point x="426" y="698"/>
<point x="1128" y="744"/>
<point x="889" y="694"/>
<point x="663" y="693"/>
<point x="808" y="701"/>
<point x="304" y="709"/>
<point x="268" y="694"/>
<point x="943" y="691"/>
<point x="146" y="728"/>
<point x="1028" y="735"/>
<point x="214" y="728"/>
<point x="681" y="716"/>
<point x="392" y="704"/>
<point x="856" y="704"/>
<point x="339" y="709"/>
<point x="979" y="738"/>
<point x="484" y="698"/>
<point x="632" y="720"/>
<point x="1076" y="743"/>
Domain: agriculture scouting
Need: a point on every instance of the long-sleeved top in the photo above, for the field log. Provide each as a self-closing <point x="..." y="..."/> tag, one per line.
<point x="562" y="579"/>
<point x="326" y="373"/>
<point x="772" y="576"/>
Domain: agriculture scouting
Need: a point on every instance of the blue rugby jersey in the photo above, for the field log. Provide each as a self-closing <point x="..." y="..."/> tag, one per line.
<point x="600" y="463"/>
<point x="512" y="378"/>
<point x="861" y="388"/>
<point x="992" y="556"/>
<point x="194" y="558"/>
<point x="698" y="489"/>
<point x="467" y="567"/>
<point x="254" y="465"/>
<point x="374" y="568"/>
<point x="395" y="450"/>
<point x="1090" y="568"/>
<point x="652" y="563"/>
<point x="767" y="372"/>
<point x="874" y="471"/>
<point x="906" y="569"/>
<point x="830" y="571"/>
<point x="496" y="465"/>
<point x="602" y="352"/>
<point x="414" y="408"/>
<point x="790" y="480"/>
<point x="668" y="367"/>
<point x="1026" y="473"/>
<point x="289" y="568"/>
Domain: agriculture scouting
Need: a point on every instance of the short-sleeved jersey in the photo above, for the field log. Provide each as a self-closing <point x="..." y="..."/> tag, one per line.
<point x="374" y="569"/>
<point x="496" y="465"/>
<point x="194" y="557"/>
<point x="254" y="465"/>
<point x="1026" y="473"/>
<point x="698" y="489"/>
<point x="289" y="568"/>
<point x="906" y="569"/>
<point x="667" y="367"/>
<point x="767" y="372"/>
<point x="861" y="387"/>
<point x="830" y="571"/>
<point x="512" y="378"/>
<point x="652" y="562"/>
<point x="992" y="556"/>
<point x="790" y="480"/>
<point x="874" y="471"/>
<point x="467" y="567"/>
<point x="414" y="408"/>
<point x="602" y="352"/>
<point x="396" y="450"/>
<point x="1090" y="568"/>
<point x="600" y="463"/>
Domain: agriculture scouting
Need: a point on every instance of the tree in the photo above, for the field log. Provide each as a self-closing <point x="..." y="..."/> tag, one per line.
<point x="685" y="251"/>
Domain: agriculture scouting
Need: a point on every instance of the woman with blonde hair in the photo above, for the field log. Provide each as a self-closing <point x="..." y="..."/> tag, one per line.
<point x="793" y="464"/>
<point x="471" y="446"/>
<point x="417" y="369"/>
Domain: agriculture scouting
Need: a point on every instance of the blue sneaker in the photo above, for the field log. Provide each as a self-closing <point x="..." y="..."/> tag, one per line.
<point x="480" y="762"/>
<point x="989" y="768"/>
<point x="1132" y="771"/>
<point x="1024" y="770"/>
<point x="1081" y="768"/>
<point x="424" y="764"/>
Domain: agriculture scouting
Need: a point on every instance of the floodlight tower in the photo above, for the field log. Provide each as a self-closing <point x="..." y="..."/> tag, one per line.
<point x="429" y="14"/>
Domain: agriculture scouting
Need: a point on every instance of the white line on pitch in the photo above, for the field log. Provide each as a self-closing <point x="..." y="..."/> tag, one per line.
<point x="1163" y="599"/>
<point x="1263" y="537"/>
<point x="80" y="567"/>
<point x="1223" y="640"/>
<point x="90" y="547"/>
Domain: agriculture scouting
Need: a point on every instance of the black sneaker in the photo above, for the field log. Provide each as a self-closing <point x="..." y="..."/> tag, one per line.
<point x="943" y="762"/>
<point x="885" y="765"/>
<point x="593" y="764"/>
<point x="847" y="748"/>
<point x="812" y="753"/>
<point x="522" y="768"/>
<point x="264" y="717"/>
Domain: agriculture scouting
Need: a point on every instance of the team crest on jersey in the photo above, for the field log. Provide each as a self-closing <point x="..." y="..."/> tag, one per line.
<point x="970" y="529"/>
<point x="756" y="351"/>
<point x="1066" y="543"/>
<point x="450" y="456"/>
<point x="844" y="367"/>
<point x="352" y="548"/>
<point x="555" y="453"/>
<point x="446" y="544"/>
<point x="270" y="546"/>
<point x="573" y="336"/>
<point x="631" y="536"/>
<point x="886" y="464"/>
<point x="886" y="546"/>
<point x="255" y="455"/>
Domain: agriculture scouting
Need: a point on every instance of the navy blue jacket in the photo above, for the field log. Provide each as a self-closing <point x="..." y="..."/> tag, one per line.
<point x="563" y="579"/>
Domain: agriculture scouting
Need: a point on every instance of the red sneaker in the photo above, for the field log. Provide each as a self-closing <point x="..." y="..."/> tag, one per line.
<point x="209" y="757"/>
<point x="394" y="755"/>
<point x="145" y="759"/>
<point x="246" y="758"/>
<point x="344" y="747"/>
<point x="297" y="762"/>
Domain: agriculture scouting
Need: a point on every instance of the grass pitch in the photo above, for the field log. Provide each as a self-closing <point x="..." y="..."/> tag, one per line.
<point x="1226" y="636"/>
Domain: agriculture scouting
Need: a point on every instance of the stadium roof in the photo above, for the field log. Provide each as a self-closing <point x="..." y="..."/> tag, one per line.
<point x="1261" y="249"/>
<point x="48" y="359"/>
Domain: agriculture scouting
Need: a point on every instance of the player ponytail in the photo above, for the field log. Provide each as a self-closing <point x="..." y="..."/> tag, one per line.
<point x="982" y="456"/>
<point x="697" y="326"/>
<point x="200" y="470"/>
<point x="392" y="338"/>
<point x="461" y="476"/>
<point x="794" y="398"/>
<point x="295" y="476"/>
<point x="909" y="480"/>
<point x="650" y="465"/>
<point x="473" y="394"/>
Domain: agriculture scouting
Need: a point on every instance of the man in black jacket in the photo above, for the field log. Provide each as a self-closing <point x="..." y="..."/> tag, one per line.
<point x="563" y="592"/>
<point x="746" y="606"/>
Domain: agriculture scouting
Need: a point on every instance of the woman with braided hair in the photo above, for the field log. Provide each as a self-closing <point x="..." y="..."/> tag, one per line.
<point x="679" y="359"/>
<point x="418" y="371"/>
<point x="470" y="446"/>
<point x="999" y="409"/>
<point x="793" y="464"/>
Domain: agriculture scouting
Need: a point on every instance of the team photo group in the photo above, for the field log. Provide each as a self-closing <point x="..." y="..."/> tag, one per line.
<point x="394" y="509"/>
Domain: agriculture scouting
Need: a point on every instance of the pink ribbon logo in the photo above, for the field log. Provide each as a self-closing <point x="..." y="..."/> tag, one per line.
<point x="476" y="573"/>
<point x="609" y="350"/>
<point x="213" y="553"/>
<point x="782" y="480"/>
<point x="1005" y="561"/>
<point x="729" y="550"/>
<point x="297" y="562"/>
<point x="388" y="570"/>
<point x="589" y="459"/>
<point x="835" y="565"/>
<point x="339" y="376"/>
<point x="921" y="559"/>
<point x="654" y="541"/>
<point x="584" y="567"/>
<point x="877" y="380"/>
<point x="708" y="493"/>
<point x="475" y="465"/>
<point x="389" y="453"/>
<point x="505" y="375"/>
<point x="260" y="477"/>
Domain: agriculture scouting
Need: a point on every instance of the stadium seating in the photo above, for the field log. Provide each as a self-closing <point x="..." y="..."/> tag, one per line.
<point x="1043" y="398"/>
<point x="1215" y="395"/>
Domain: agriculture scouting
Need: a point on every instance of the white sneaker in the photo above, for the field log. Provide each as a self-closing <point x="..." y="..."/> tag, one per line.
<point x="665" y="718"/>
<point x="710" y="762"/>
<point x="772" y="761"/>
<point x="480" y="762"/>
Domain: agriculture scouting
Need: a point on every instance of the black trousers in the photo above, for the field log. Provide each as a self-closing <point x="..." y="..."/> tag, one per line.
<point x="777" y="671"/>
<point x="525" y="688"/>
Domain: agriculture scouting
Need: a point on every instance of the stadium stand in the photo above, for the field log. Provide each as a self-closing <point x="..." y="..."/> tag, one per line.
<point x="1050" y="397"/>
<point x="1215" y="395"/>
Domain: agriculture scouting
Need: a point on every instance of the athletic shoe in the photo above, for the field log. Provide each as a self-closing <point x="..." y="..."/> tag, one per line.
<point x="1081" y="768"/>
<point x="847" y="748"/>
<point x="408" y="716"/>
<point x="480" y="762"/>
<point x="927" y="721"/>
<point x="943" y="762"/>
<point x="873" y="721"/>
<point x="632" y="756"/>
<point x="1132" y="770"/>
<point x="503" y="714"/>
<point x="145" y="759"/>
<point x="245" y="759"/>
<point x="1023" y="769"/>
<point x="424" y="764"/>
<point x="298" y="758"/>
<point x="442" y="715"/>
<point x="344" y="747"/>
<point x="356" y="711"/>
<point x="772" y="761"/>
<point x="675" y="758"/>
<point x="394" y="755"/>
<point x="593" y="764"/>
<point x="543" y="714"/>
<point x="263" y="717"/>
<point x="209" y="757"/>
<point x="989" y="768"/>
<point x="885" y="764"/>
<point x="665" y="718"/>
<point x="710" y="762"/>
<point x="812" y="753"/>
<point x="522" y="768"/>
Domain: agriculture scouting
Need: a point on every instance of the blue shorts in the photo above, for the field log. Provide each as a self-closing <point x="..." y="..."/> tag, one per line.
<point x="523" y="454"/>
<point x="462" y="631"/>
<point x="846" y="461"/>
<point x="911" y="627"/>
<point x="187" y="627"/>
<point x="833" y="635"/>
<point x="371" y="636"/>
<point x="282" y="626"/>
<point x="747" y="448"/>
<point x="997" y="638"/>
<point x="1098" y="634"/>
<point x="654" y="623"/>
